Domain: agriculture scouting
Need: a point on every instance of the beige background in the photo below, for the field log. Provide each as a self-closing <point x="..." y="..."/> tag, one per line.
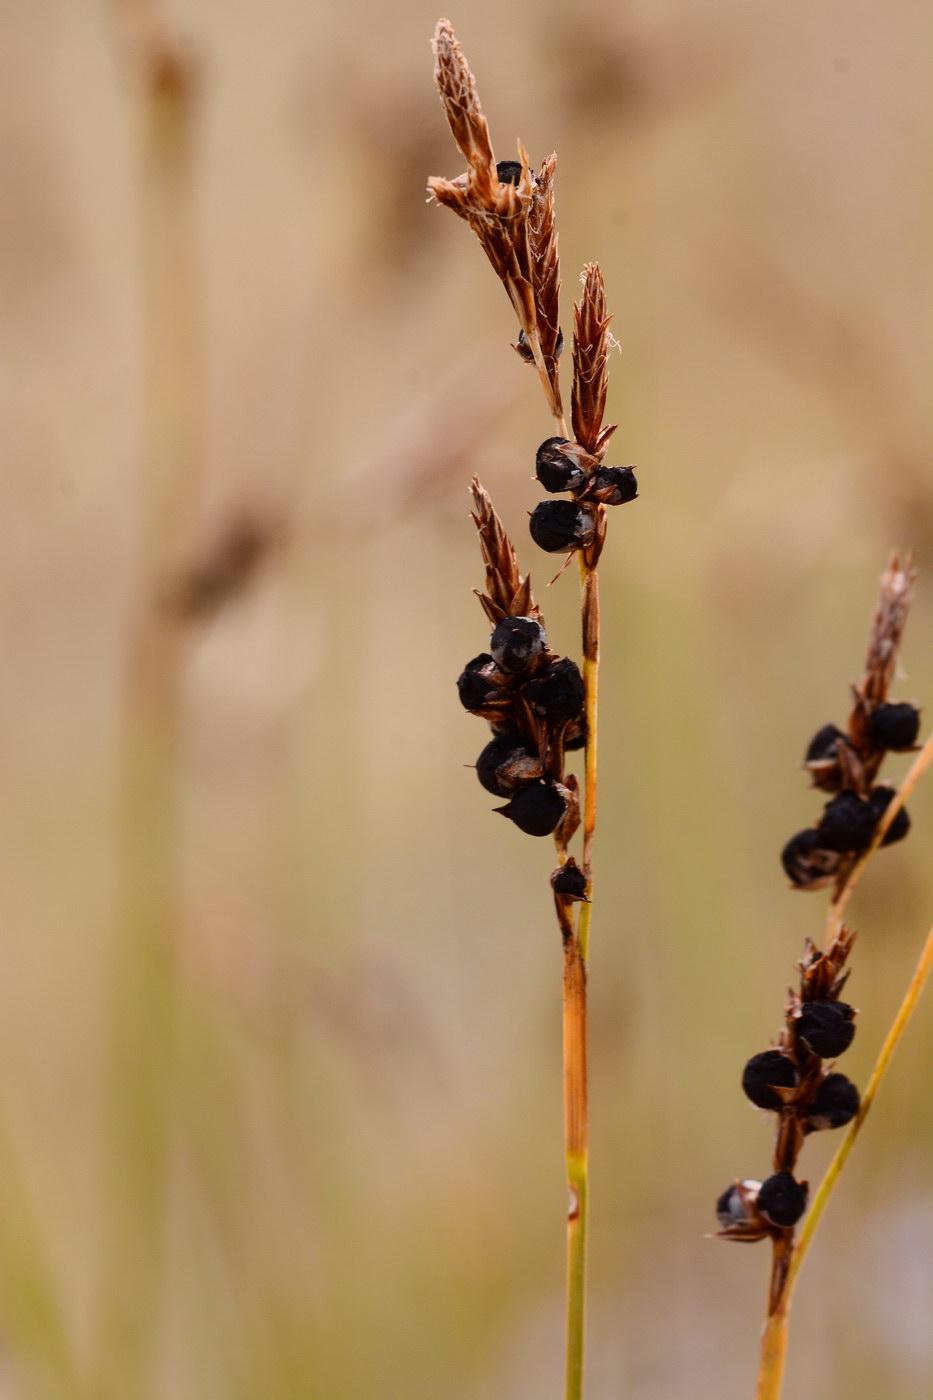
<point x="357" y="1095"/>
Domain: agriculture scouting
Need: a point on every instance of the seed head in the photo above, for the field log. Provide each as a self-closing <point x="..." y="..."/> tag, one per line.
<point x="562" y="525"/>
<point x="569" y="880"/>
<point x="848" y="823"/>
<point x="836" y="1103"/>
<point x="527" y="354"/>
<point x="808" y="862"/>
<point x="559" y="467"/>
<point x="782" y="1200"/>
<point x="473" y="685"/>
<point x="879" y="798"/>
<point x="822" y="759"/>
<point x="536" y="809"/>
<point x="506" y="763"/>
<point x="509" y="171"/>
<point x="765" y="1073"/>
<point x="614" y="486"/>
<point x="895" y="726"/>
<point x="516" y="642"/>
<point x="826" y="1026"/>
<point x="732" y="1208"/>
<point x="558" y="693"/>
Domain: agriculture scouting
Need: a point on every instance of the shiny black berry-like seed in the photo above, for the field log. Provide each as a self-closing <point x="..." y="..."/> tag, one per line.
<point x="525" y="351"/>
<point x="558" y="693"/>
<point x="807" y="861"/>
<point x="516" y="642"/>
<point x="895" y="726"/>
<point x="880" y="798"/>
<point x="560" y="525"/>
<point x="615" y="485"/>
<point x="765" y="1071"/>
<point x="535" y="809"/>
<point x="848" y="823"/>
<point x="822" y="746"/>
<point x="826" y="1026"/>
<point x="557" y="471"/>
<point x="472" y="686"/>
<point x="506" y="763"/>
<point x="569" y="879"/>
<point x="836" y="1103"/>
<point x="509" y="171"/>
<point x="782" y="1200"/>
<point x="731" y="1208"/>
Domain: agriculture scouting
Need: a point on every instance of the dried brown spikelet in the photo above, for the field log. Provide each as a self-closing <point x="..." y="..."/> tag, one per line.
<point x="508" y="593"/>
<point x="897" y="588"/>
<point x="591" y="344"/>
<point x="465" y="116"/>
<point x="546" y="267"/>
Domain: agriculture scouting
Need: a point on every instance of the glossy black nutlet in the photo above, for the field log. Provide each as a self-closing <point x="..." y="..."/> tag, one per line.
<point x="879" y="798"/>
<point x="569" y="880"/>
<point x="516" y="642"/>
<point x="826" y="1026"/>
<point x="836" y="1103"/>
<point x="782" y="1200"/>
<point x="807" y="861"/>
<point x="557" y="693"/>
<point x="765" y="1071"/>
<point x="895" y="726"/>
<point x="509" y="171"/>
<point x="472" y="686"/>
<point x="732" y="1205"/>
<point x="614" y="486"/>
<point x="525" y="350"/>
<point x="559" y="525"/>
<point x="557" y="471"/>
<point x="506" y="763"/>
<point x="848" y="823"/>
<point x="536" y="809"/>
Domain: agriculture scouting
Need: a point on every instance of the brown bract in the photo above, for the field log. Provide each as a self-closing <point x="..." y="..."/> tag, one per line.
<point x="591" y="344"/>
<point x="508" y="592"/>
<point x="897" y="589"/>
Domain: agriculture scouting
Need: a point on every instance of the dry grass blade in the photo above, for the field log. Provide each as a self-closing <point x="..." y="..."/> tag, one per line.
<point x="591" y="344"/>
<point x="508" y="592"/>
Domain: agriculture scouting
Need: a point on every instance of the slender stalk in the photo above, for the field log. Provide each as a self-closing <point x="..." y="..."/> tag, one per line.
<point x="774" y="1345"/>
<point x="576" y="1126"/>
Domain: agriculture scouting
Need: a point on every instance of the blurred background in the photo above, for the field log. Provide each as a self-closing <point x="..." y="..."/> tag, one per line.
<point x="280" y="1106"/>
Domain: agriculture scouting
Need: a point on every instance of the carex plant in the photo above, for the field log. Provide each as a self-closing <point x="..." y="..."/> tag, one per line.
<point x="796" y="1078"/>
<point x="540" y="706"/>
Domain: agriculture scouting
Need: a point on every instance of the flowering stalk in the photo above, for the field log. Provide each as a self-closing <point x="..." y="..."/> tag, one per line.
<point x="540" y="706"/>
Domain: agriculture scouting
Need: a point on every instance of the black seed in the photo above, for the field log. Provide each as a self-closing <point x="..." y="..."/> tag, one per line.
<point x="559" y="525"/>
<point x="895" y="726"/>
<point x="807" y="862"/>
<point x="558" y="693"/>
<point x="509" y="171"/>
<point x="555" y="470"/>
<point x="506" y="763"/>
<point x="822" y="746"/>
<point x="879" y="799"/>
<point x="826" y="1026"/>
<point x="516" y="641"/>
<point x="848" y="823"/>
<point x="615" y="485"/>
<point x="836" y="1103"/>
<point x="525" y="351"/>
<point x="536" y="809"/>
<point x="569" y="879"/>
<point x="730" y="1209"/>
<point x="472" y="686"/>
<point x="764" y="1071"/>
<point x="782" y="1200"/>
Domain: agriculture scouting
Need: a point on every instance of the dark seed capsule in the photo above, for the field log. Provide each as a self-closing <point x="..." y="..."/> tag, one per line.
<point x="782" y="1200"/>
<point x="472" y="686"/>
<point x="807" y="861"/>
<point x="535" y="809"/>
<point x="557" y="470"/>
<point x="557" y="694"/>
<point x="823" y="744"/>
<point x="763" y="1072"/>
<point x="559" y="525"/>
<point x="526" y="353"/>
<point x="615" y="485"/>
<point x="516" y="642"/>
<point x="509" y="171"/>
<point x="879" y="799"/>
<point x="826" y="1026"/>
<point x="848" y="823"/>
<point x="506" y="763"/>
<point x="570" y="880"/>
<point x="836" y="1103"/>
<point x="895" y="726"/>
<point x="732" y="1206"/>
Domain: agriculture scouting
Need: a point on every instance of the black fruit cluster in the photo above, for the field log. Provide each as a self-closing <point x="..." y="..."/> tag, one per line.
<point x="557" y="526"/>
<point x="838" y="764"/>
<point x="533" y="702"/>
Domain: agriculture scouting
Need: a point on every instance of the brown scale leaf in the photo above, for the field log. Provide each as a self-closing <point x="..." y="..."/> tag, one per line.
<point x="508" y="592"/>
<point x="591" y="345"/>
